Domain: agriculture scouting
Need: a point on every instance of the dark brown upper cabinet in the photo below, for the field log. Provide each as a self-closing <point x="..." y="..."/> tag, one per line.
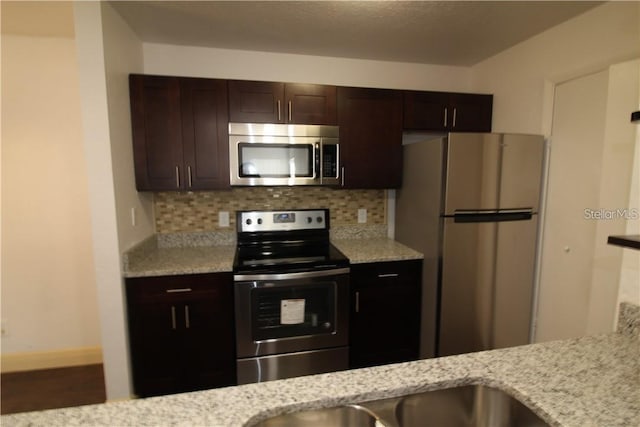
<point x="452" y="112"/>
<point x="269" y="102"/>
<point x="370" y="122"/>
<point x="180" y="136"/>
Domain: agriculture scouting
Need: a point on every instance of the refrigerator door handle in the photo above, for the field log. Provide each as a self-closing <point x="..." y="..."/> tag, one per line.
<point x="461" y="216"/>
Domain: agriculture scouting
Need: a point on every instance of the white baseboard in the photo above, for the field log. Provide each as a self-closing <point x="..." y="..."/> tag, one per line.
<point x="51" y="359"/>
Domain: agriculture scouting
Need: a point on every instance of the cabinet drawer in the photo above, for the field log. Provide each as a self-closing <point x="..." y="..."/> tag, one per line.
<point x="385" y="272"/>
<point x="176" y="288"/>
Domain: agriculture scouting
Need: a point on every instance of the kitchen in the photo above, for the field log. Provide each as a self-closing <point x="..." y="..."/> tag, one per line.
<point x="161" y="59"/>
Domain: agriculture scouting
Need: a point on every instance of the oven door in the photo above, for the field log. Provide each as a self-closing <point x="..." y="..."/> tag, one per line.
<point x="284" y="313"/>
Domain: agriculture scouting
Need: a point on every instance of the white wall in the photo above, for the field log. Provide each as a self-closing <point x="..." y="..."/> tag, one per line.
<point x="49" y="298"/>
<point x="245" y="65"/>
<point x="123" y="55"/>
<point x="629" y="289"/>
<point x="619" y="146"/>
<point x="522" y="78"/>
<point x="523" y="81"/>
<point x="107" y="51"/>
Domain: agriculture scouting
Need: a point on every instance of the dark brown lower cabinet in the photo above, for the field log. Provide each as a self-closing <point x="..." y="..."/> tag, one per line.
<point x="181" y="333"/>
<point x="385" y="313"/>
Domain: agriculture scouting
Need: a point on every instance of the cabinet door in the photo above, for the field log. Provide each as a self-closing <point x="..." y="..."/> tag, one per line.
<point x="154" y="341"/>
<point x="385" y="313"/>
<point x="443" y="111"/>
<point x="426" y="110"/>
<point x="370" y="123"/>
<point x="205" y="136"/>
<point x="310" y="104"/>
<point x="181" y="333"/>
<point x="157" y="133"/>
<point x="471" y="113"/>
<point x="209" y="334"/>
<point x="256" y="102"/>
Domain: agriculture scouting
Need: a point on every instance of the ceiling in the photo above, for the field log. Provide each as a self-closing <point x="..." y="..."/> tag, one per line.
<point x="460" y="33"/>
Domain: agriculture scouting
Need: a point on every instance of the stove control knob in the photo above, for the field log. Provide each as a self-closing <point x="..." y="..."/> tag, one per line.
<point x="319" y="219"/>
<point x="248" y="221"/>
<point x="309" y="219"/>
<point x="260" y="221"/>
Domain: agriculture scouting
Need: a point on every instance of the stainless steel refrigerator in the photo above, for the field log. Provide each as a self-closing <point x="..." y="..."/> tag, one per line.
<point x="470" y="202"/>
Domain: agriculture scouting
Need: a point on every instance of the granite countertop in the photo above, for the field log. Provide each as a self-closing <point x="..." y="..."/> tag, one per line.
<point x="374" y="250"/>
<point x="190" y="253"/>
<point x="183" y="260"/>
<point x="589" y="381"/>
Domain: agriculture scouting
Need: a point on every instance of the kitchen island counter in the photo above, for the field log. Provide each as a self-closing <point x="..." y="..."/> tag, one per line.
<point x="589" y="381"/>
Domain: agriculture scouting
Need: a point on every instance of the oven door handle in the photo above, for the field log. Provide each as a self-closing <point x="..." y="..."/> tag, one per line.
<point x="287" y="276"/>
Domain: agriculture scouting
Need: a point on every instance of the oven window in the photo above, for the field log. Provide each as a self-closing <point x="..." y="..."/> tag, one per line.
<point x="257" y="160"/>
<point x="295" y="310"/>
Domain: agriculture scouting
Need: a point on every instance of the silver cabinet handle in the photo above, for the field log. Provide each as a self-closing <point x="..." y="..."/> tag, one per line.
<point x="177" y="177"/>
<point x="170" y="291"/>
<point x="187" y="322"/>
<point x="446" y="110"/>
<point x="279" y="115"/>
<point x="455" y="110"/>
<point x="382" y="276"/>
<point x="342" y="173"/>
<point x="357" y="302"/>
<point x="189" y="176"/>
<point x="173" y="317"/>
<point x="290" y="109"/>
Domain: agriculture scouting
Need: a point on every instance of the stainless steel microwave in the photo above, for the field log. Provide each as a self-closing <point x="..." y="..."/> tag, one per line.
<point x="283" y="155"/>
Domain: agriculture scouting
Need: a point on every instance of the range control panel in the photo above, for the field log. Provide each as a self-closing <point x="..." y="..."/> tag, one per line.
<point x="304" y="219"/>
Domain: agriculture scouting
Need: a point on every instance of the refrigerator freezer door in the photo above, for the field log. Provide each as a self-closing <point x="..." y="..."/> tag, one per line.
<point x="486" y="285"/>
<point x="521" y="171"/>
<point x="473" y="165"/>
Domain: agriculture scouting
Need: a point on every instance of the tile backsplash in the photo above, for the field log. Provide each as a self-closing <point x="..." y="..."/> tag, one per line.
<point x="198" y="211"/>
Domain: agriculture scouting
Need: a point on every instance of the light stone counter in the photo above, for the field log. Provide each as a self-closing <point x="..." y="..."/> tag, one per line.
<point x="180" y="253"/>
<point x="590" y="381"/>
<point x="375" y="250"/>
<point x="184" y="260"/>
<point x="211" y="252"/>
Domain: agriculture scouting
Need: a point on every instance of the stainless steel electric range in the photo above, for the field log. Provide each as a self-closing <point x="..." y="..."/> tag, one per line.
<point x="291" y="296"/>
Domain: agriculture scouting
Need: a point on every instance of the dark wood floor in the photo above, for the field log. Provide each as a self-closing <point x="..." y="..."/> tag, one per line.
<point x="51" y="388"/>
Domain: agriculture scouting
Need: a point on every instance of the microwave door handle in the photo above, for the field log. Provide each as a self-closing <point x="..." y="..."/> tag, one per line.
<point x="317" y="155"/>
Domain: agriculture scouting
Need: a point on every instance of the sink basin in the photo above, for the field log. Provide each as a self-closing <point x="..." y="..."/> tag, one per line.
<point x="352" y="415"/>
<point x="464" y="406"/>
<point x="469" y="406"/>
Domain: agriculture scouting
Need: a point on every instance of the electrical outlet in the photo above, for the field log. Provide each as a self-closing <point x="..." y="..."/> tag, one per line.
<point x="362" y="216"/>
<point x="223" y="219"/>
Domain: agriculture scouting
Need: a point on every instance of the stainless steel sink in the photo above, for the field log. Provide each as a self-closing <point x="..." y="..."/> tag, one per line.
<point x="465" y="406"/>
<point x="352" y="415"/>
<point x="473" y="406"/>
